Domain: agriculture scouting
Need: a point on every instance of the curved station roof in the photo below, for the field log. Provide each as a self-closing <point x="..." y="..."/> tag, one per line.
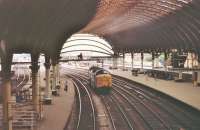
<point x="42" y="25"/>
<point x="128" y="25"/>
<point x="148" y="24"/>
<point x="87" y="44"/>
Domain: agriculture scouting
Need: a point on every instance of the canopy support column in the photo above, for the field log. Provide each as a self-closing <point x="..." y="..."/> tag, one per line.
<point x="123" y="60"/>
<point x="102" y="63"/>
<point x="180" y="75"/>
<point x="55" y="76"/>
<point x="115" y="61"/>
<point x="6" y="61"/>
<point x="35" y="82"/>
<point x="132" y="57"/>
<point x="47" y="65"/>
<point x="192" y="56"/>
<point x="165" y="60"/>
<point x="153" y="59"/>
<point x="142" y="60"/>
<point x="156" y="60"/>
<point x="198" y="78"/>
<point x="196" y="74"/>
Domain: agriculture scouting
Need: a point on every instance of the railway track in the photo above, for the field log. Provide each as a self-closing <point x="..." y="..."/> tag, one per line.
<point x="166" y="109"/>
<point x="132" y="107"/>
<point x="146" y="113"/>
<point x="115" y="115"/>
<point x="101" y="115"/>
<point x="86" y="112"/>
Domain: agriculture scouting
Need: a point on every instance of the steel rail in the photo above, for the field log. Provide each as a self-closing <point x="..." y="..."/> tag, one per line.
<point x="147" y="107"/>
<point x="147" y="95"/>
<point x="80" y="106"/>
<point x="90" y="99"/>
<point x="85" y="78"/>
<point x="82" y="77"/>
<point x="167" y="109"/>
<point x="109" y="113"/>
<point x="123" y="112"/>
<point x="119" y="107"/>
<point x="106" y="105"/>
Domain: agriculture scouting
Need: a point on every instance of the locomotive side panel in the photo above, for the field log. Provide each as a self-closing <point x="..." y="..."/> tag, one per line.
<point x="103" y="80"/>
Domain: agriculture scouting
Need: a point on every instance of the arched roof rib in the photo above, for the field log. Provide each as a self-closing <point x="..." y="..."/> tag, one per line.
<point x="148" y="24"/>
<point x="192" y="23"/>
<point x="87" y="39"/>
<point x="88" y="45"/>
<point x="139" y="7"/>
<point x="86" y="42"/>
<point x="86" y="50"/>
<point x="183" y="27"/>
<point x="183" y="24"/>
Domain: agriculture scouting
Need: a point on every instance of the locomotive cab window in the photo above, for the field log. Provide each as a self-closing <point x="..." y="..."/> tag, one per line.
<point x="102" y="72"/>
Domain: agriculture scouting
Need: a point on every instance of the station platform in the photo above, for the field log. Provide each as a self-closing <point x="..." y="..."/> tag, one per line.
<point x="56" y="115"/>
<point x="182" y="91"/>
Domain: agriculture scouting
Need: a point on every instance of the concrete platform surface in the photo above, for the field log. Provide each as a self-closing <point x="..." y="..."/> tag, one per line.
<point x="57" y="114"/>
<point x="183" y="91"/>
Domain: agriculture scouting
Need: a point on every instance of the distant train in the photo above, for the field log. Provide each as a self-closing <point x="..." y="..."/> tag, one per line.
<point x="100" y="80"/>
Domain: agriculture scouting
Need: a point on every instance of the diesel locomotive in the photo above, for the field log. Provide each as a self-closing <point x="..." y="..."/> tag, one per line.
<point x="100" y="80"/>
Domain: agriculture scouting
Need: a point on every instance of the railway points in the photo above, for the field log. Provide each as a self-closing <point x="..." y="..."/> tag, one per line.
<point x="126" y="103"/>
<point x="183" y="91"/>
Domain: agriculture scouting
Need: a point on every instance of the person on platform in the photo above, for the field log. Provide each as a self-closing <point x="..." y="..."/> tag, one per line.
<point x="80" y="56"/>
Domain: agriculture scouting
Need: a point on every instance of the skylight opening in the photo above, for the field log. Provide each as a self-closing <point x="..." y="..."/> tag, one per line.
<point x="87" y="44"/>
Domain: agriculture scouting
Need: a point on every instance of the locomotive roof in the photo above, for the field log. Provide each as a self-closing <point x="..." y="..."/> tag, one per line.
<point x="94" y="68"/>
<point x="97" y="69"/>
<point x="102" y="69"/>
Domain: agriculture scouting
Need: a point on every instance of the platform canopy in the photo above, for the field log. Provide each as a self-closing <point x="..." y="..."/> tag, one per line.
<point x="42" y="25"/>
<point x="148" y="24"/>
<point x="45" y="25"/>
